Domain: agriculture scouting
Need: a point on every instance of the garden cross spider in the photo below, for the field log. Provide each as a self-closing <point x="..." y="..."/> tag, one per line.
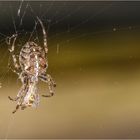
<point x="30" y="66"/>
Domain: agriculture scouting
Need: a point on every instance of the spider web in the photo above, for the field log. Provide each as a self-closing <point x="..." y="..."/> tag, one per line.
<point x="18" y="16"/>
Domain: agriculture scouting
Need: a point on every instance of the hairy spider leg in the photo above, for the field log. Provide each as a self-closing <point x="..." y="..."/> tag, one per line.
<point x="51" y="84"/>
<point x="46" y="78"/>
<point x="16" y="65"/>
<point x="18" y="95"/>
<point x="11" y="50"/>
<point x="44" y="35"/>
<point x="21" y="98"/>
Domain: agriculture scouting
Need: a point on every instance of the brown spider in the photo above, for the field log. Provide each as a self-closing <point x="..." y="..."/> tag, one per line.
<point x="30" y="66"/>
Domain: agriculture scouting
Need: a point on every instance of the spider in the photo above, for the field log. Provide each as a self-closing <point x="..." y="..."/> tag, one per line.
<point x="30" y="66"/>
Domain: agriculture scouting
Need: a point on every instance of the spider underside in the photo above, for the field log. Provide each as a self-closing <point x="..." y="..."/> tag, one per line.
<point x="31" y="66"/>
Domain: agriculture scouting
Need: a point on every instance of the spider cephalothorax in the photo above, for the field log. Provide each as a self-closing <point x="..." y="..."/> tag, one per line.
<point x="30" y="67"/>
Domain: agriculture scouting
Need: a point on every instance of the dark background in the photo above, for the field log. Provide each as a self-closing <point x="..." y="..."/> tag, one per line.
<point x="75" y="15"/>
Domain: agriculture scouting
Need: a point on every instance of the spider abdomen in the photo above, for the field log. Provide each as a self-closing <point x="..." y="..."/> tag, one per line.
<point x="32" y="59"/>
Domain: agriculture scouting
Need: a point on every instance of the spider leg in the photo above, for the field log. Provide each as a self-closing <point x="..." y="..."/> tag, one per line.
<point x="17" y="66"/>
<point x="11" y="50"/>
<point x="13" y="99"/>
<point x="18" y="95"/>
<point x="8" y="41"/>
<point x="14" y="70"/>
<point x="17" y="107"/>
<point x="48" y="79"/>
<point x="44" y="35"/>
<point x="21" y="94"/>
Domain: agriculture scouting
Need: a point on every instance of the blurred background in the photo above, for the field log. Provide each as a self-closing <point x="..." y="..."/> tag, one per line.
<point x="94" y="57"/>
